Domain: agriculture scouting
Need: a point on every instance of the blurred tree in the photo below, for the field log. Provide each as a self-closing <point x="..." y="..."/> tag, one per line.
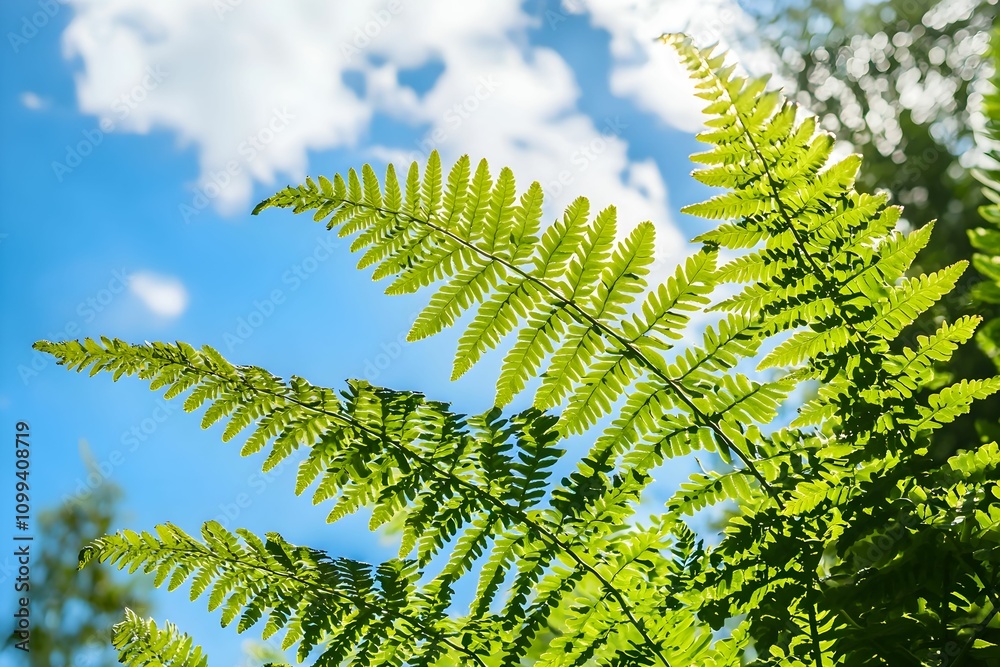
<point x="987" y="238"/>
<point x="902" y="82"/>
<point x="73" y="611"/>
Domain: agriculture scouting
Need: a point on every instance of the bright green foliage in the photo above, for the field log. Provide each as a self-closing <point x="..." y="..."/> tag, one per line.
<point x="869" y="71"/>
<point x="304" y="594"/>
<point x="141" y="644"/>
<point x="812" y="288"/>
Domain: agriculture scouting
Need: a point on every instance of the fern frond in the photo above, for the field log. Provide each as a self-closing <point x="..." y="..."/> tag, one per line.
<point x="564" y="573"/>
<point x="827" y="275"/>
<point x="141" y="644"/>
<point x="312" y="598"/>
<point x="446" y="478"/>
<point x="564" y="293"/>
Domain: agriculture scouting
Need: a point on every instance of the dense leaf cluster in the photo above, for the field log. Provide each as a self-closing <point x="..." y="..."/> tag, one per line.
<point x="852" y="544"/>
<point x="900" y="81"/>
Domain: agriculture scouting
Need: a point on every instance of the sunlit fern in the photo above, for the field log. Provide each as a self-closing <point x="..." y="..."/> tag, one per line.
<point x="818" y="275"/>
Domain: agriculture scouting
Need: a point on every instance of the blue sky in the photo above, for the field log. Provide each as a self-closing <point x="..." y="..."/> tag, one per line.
<point x="137" y="139"/>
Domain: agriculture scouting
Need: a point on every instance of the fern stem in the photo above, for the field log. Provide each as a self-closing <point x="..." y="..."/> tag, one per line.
<point x="972" y="637"/>
<point x="803" y="254"/>
<point x="817" y="650"/>
<point x="418" y="625"/>
<point x="786" y="216"/>
<point x="514" y="513"/>
<point x="598" y="326"/>
<point x="991" y="593"/>
<point x="799" y="244"/>
<point x="517" y="514"/>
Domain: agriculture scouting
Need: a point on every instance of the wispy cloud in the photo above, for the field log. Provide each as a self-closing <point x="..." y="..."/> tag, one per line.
<point x="232" y="66"/>
<point x="647" y="71"/>
<point x="163" y="295"/>
<point x="32" y="101"/>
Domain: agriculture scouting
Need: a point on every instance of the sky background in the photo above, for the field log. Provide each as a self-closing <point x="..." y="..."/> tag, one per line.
<point x="137" y="137"/>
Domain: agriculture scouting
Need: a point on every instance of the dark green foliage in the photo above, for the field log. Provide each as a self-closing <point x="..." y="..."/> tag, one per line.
<point x="805" y="278"/>
<point x="986" y="240"/>
<point x="898" y="81"/>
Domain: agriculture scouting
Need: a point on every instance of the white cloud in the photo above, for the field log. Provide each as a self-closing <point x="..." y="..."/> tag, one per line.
<point x="223" y="81"/>
<point x="518" y="109"/>
<point x="498" y="97"/>
<point x="32" y="101"/>
<point x="649" y="72"/>
<point x="163" y="295"/>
